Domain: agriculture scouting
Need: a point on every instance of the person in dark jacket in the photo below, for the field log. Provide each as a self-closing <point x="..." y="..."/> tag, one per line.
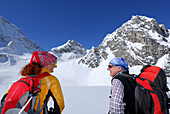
<point x="121" y="98"/>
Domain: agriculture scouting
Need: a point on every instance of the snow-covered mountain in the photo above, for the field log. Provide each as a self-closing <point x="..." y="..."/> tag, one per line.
<point x="13" y="41"/>
<point x="70" y="50"/>
<point x="140" y="41"/>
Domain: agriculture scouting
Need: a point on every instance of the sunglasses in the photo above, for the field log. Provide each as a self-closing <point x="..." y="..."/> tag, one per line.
<point x="54" y="63"/>
<point x="110" y="66"/>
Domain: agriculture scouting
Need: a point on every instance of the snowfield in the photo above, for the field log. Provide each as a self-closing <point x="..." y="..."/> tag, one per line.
<point x="86" y="91"/>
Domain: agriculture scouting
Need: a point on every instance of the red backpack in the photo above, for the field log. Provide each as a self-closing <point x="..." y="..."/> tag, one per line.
<point x="150" y="92"/>
<point x="21" y="93"/>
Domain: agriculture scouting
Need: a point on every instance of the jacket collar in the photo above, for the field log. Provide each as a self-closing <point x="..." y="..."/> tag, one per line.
<point x="124" y="72"/>
<point x="44" y="70"/>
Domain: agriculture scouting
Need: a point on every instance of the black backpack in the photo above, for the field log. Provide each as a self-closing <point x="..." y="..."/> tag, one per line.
<point x="149" y="91"/>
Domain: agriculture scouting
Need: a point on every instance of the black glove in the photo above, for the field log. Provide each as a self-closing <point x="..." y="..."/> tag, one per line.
<point x="51" y="111"/>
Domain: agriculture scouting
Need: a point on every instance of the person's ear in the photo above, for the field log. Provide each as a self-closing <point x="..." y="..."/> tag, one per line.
<point x="119" y="69"/>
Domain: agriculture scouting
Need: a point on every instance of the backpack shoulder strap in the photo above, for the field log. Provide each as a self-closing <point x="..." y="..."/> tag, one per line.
<point x="44" y="74"/>
<point x="129" y="86"/>
<point x="121" y="78"/>
<point x="3" y="101"/>
<point x="126" y="79"/>
<point x="144" y="67"/>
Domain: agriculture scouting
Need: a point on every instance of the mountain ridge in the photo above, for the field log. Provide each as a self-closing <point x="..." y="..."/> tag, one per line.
<point x="13" y="41"/>
<point x="71" y="50"/>
<point x="141" y="41"/>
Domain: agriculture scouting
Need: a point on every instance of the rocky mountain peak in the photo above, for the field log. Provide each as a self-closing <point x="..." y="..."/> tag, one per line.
<point x="69" y="50"/>
<point x="13" y="41"/>
<point x="140" y="41"/>
<point x="5" y="22"/>
<point x="94" y="57"/>
<point x="147" y="23"/>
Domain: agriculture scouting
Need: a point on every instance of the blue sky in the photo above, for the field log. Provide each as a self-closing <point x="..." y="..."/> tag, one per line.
<point x="51" y="23"/>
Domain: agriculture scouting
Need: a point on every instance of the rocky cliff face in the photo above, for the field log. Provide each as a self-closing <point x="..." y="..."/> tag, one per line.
<point x="167" y="65"/>
<point x="94" y="57"/>
<point x="70" y="50"/>
<point x="140" y="41"/>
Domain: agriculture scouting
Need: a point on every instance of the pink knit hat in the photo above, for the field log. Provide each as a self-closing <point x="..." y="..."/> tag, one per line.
<point x="44" y="58"/>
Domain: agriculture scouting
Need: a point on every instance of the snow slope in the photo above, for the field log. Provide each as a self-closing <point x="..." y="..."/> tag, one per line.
<point x="78" y="99"/>
<point x="86" y="91"/>
<point x="86" y="100"/>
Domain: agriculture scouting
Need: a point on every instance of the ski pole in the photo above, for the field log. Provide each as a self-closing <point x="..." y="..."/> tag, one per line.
<point x="23" y="108"/>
